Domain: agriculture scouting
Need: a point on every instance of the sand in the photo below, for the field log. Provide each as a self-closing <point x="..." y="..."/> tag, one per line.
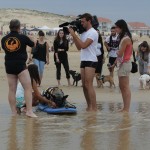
<point x="75" y="93"/>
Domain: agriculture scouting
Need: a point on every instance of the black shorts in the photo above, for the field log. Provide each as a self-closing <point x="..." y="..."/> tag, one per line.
<point x="112" y="60"/>
<point x="91" y="64"/>
<point x="15" y="68"/>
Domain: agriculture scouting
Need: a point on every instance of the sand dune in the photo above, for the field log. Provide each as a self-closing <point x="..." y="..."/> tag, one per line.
<point x="31" y="18"/>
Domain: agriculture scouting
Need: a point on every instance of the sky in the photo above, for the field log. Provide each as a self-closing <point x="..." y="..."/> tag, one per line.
<point x="129" y="10"/>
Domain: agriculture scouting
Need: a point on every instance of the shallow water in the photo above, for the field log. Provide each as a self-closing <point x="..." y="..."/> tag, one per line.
<point x="105" y="130"/>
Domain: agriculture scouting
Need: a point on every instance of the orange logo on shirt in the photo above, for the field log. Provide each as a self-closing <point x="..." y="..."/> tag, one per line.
<point x="12" y="44"/>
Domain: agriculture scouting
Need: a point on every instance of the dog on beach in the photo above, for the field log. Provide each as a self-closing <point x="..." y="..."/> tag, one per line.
<point x="56" y="95"/>
<point x="76" y="76"/>
<point x="106" y="78"/>
<point x="144" y="81"/>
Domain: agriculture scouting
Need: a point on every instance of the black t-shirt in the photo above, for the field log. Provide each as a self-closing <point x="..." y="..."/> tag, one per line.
<point x="14" y="45"/>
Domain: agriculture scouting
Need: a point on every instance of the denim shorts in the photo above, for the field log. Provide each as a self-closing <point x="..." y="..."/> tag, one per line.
<point x="125" y="69"/>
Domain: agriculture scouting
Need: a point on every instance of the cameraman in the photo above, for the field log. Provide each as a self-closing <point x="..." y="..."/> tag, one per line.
<point x="88" y="45"/>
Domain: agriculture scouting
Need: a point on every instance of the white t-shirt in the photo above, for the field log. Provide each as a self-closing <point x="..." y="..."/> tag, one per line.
<point x="98" y="50"/>
<point x="112" y="52"/>
<point x="89" y="53"/>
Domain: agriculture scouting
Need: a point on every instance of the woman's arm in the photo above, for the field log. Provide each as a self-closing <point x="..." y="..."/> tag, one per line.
<point x="39" y="97"/>
<point x="47" y="53"/>
<point x="55" y="45"/>
<point x="148" y="65"/>
<point x="29" y="56"/>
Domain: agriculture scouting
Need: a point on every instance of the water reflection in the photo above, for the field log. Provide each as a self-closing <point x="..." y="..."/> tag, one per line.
<point x="88" y="138"/>
<point x="124" y="138"/>
<point x="104" y="130"/>
<point x="21" y="134"/>
<point x="12" y="143"/>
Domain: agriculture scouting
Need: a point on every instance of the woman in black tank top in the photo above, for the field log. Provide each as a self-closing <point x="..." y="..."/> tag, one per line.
<point x="41" y="55"/>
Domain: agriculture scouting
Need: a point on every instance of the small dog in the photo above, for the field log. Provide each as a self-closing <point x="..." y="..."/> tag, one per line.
<point x="56" y="95"/>
<point x="106" y="78"/>
<point x="144" y="81"/>
<point x="76" y="76"/>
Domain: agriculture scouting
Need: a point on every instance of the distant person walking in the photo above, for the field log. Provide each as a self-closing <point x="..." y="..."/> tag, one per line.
<point x="111" y="43"/>
<point x="14" y="45"/>
<point x="61" y="46"/>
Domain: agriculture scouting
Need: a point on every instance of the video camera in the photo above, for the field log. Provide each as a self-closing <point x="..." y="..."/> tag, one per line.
<point x="77" y="26"/>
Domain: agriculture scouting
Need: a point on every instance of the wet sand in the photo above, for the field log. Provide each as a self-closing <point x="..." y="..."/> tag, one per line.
<point x="105" y="130"/>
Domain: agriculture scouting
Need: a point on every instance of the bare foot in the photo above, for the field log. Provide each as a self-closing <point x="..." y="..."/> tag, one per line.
<point x="30" y="114"/>
<point x="18" y="110"/>
<point x="123" y="111"/>
<point x="14" y="114"/>
<point x="91" y="110"/>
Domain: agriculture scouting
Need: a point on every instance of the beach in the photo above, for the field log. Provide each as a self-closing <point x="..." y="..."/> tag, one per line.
<point x="107" y="129"/>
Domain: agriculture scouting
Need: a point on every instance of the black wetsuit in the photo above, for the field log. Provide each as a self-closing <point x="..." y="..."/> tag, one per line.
<point x="14" y="45"/>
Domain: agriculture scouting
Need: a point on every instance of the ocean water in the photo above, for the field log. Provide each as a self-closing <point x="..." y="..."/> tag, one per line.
<point x="105" y="130"/>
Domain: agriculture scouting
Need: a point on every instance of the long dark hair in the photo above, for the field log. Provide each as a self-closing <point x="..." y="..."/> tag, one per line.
<point x="145" y="45"/>
<point x="57" y="38"/>
<point x="100" y="40"/>
<point x="124" y="27"/>
<point x="34" y="74"/>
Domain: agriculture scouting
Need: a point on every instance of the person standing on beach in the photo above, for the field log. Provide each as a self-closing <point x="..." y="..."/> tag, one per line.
<point x="41" y="54"/>
<point x="14" y="44"/>
<point x="61" y="46"/>
<point x="88" y="45"/>
<point x="123" y="62"/>
<point x="111" y="43"/>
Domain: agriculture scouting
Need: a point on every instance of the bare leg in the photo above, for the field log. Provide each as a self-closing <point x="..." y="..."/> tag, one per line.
<point x="69" y="83"/>
<point x="58" y="82"/>
<point x="25" y="80"/>
<point x="89" y="77"/>
<point x="84" y="89"/>
<point x="125" y="91"/>
<point x="12" y="83"/>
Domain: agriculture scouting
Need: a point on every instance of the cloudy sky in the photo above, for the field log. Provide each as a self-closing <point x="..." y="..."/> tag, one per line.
<point x="129" y="10"/>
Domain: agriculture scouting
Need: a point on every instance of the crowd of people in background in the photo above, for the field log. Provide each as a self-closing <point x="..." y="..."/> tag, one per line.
<point x="119" y="47"/>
